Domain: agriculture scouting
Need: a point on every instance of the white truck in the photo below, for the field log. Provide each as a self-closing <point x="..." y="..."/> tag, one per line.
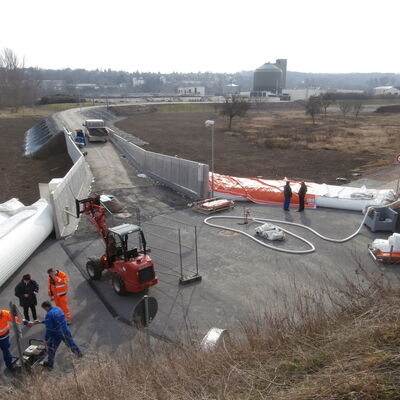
<point x="95" y="130"/>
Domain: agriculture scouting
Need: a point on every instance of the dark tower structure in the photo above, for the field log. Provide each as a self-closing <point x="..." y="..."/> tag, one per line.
<point x="270" y="78"/>
<point x="282" y="64"/>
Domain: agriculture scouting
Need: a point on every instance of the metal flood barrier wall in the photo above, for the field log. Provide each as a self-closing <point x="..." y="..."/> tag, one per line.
<point x="187" y="177"/>
<point x="75" y="185"/>
<point x="37" y="136"/>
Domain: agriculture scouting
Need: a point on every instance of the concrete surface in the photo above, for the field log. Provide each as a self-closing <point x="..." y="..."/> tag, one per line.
<point x="384" y="178"/>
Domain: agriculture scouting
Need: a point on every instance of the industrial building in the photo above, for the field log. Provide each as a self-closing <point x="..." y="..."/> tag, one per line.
<point x="192" y="91"/>
<point x="386" y="90"/>
<point x="270" y="79"/>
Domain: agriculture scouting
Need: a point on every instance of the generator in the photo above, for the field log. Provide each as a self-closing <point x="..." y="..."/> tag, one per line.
<point x="31" y="357"/>
<point x="34" y="354"/>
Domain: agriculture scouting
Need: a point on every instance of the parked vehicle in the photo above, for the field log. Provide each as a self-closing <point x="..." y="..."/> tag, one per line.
<point x="79" y="138"/>
<point x="95" y="130"/>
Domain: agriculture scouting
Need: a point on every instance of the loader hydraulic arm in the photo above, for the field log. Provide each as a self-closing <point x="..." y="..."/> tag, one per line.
<point x="95" y="212"/>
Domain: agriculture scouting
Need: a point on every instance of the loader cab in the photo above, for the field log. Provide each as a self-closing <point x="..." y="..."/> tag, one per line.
<point x="123" y="242"/>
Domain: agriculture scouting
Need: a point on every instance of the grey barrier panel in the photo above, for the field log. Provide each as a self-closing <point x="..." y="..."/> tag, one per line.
<point x="75" y="185"/>
<point x="37" y="136"/>
<point x="188" y="177"/>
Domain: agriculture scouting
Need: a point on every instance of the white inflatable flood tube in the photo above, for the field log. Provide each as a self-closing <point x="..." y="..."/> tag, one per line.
<point x="347" y="204"/>
<point x="333" y="200"/>
<point x="20" y="242"/>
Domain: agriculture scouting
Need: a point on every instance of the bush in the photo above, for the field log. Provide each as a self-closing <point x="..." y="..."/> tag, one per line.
<point x="60" y="98"/>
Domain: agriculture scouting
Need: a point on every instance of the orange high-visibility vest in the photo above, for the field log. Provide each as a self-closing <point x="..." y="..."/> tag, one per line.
<point x="5" y="320"/>
<point x="59" y="285"/>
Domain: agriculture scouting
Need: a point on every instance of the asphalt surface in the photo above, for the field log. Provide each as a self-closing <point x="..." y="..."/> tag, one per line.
<point x="239" y="277"/>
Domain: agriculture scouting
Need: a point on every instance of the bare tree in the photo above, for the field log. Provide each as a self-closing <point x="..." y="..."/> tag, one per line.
<point x="326" y="100"/>
<point x="234" y="106"/>
<point x="15" y="86"/>
<point x="345" y="107"/>
<point x="258" y="102"/>
<point x="312" y="107"/>
<point x="357" y="108"/>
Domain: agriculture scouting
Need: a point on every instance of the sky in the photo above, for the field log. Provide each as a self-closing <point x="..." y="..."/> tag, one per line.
<point x="335" y="36"/>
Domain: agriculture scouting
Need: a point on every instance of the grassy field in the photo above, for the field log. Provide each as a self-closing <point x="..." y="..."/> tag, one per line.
<point x="369" y="134"/>
<point x="40" y="111"/>
<point x="52" y="108"/>
<point x="190" y="107"/>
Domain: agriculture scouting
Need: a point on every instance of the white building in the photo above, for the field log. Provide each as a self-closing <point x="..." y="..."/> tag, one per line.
<point x="192" y="91"/>
<point x="382" y="90"/>
<point x="137" y="81"/>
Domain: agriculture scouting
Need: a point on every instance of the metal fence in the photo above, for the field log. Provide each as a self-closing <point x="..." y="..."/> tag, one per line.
<point x="173" y="248"/>
<point x="187" y="177"/>
<point x="75" y="185"/>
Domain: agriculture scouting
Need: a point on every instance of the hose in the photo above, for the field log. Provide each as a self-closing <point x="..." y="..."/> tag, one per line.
<point x="289" y="251"/>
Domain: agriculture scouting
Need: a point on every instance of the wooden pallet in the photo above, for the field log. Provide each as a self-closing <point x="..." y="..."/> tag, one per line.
<point x="211" y="206"/>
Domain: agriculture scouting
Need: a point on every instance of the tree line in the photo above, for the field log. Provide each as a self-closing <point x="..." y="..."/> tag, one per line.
<point x="316" y="105"/>
<point x="17" y="88"/>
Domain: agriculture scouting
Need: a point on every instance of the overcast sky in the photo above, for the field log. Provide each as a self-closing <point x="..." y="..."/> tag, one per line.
<point x="204" y="35"/>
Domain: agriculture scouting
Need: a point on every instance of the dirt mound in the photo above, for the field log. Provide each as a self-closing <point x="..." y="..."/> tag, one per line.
<point x="388" y="109"/>
<point x="55" y="145"/>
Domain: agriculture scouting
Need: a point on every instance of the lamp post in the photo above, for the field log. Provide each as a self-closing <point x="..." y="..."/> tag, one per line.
<point x="79" y="94"/>
<point x="210" y="124"/>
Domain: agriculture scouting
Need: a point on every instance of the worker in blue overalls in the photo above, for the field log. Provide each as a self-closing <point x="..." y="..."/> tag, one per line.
<point x="57" y="331"/>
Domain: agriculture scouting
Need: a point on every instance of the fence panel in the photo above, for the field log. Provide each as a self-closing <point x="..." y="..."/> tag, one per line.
<point x="188" y="177"/>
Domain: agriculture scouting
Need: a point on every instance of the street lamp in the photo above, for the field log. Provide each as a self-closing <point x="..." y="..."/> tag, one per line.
<point x="210" y="123"/>
<point x="79" y="94"/>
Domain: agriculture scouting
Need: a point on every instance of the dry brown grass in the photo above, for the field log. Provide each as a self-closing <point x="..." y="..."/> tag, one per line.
<point x="369" y="133"/>
<point x="342" y="345"/>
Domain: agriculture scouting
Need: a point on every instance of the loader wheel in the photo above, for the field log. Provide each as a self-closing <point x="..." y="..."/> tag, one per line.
<point x="94" y="269"/>
<point x="118" y="285"/>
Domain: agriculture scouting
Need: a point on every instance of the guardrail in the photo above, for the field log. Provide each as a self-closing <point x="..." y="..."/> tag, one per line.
<point x="185" y="176"/>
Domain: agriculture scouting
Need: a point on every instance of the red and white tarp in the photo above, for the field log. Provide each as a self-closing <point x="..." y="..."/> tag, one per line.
<point x="266" y="191"/>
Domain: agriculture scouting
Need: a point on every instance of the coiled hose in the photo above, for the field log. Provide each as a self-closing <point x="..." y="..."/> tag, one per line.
<point x="307" y="251"/>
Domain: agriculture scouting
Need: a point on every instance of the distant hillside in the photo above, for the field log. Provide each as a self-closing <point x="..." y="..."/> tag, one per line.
<point x="363" y="81"/>
<point x="125" y="83"/>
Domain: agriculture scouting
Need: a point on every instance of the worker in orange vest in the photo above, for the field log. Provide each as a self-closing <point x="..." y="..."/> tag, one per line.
<point x="58" y="289"/>
<point x="5" y="319"/>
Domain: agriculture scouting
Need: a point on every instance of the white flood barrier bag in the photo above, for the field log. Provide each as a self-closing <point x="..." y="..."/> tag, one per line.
<point x="352" y="198"/>
<point x="22" y="230"/>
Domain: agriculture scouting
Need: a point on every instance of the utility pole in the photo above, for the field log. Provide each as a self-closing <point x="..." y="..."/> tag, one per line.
<point x="208" y="124"/>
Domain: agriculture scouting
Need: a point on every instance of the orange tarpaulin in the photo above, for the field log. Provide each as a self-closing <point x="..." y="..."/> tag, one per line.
<point x="262" y="191"/>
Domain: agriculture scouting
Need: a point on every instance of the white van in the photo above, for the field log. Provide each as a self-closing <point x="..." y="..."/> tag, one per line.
<point x="95" y="130"/>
